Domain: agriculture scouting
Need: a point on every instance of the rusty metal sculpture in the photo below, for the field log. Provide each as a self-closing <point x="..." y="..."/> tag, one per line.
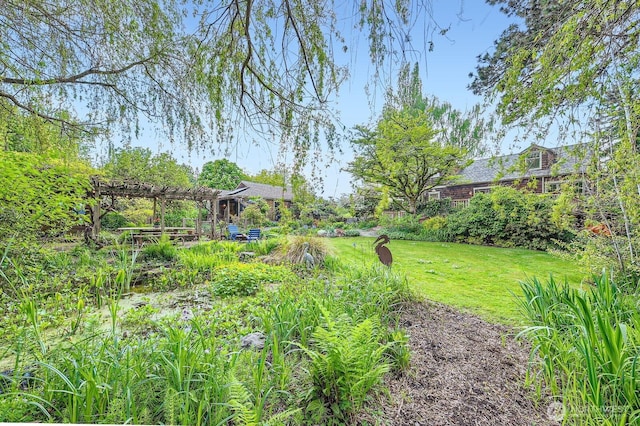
<point x="384" y="254"/>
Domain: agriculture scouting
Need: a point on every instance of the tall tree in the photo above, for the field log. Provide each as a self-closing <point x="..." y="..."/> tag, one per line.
<point x="576" y="63"/>
<point x="269" y="177"/>
<point x="140" y="165"/>
<point x="466" y="130"/>
<point x="198" y="68"/>
<point x="418" y="143"/>
<point x="404" y="157"/>
<point x="561" y="54"/>
<point x="220" y="174"/>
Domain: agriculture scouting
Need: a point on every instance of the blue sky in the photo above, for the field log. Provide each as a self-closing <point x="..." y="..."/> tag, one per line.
<point x="474" y="25"/>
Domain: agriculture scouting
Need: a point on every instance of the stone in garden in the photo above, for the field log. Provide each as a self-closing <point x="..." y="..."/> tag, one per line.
<point x="245" y="256"/>
<point x="253" y="340"/>
<point x="187" y="314"/>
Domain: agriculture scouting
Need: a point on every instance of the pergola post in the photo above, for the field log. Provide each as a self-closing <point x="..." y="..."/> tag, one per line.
<point x="214" y="219"/>
<point x="155" y="214"/>
<point x="162" y="209"/>
<point x="96" y="210"/>
<point x="198" y="227"/>
<point x="141" y="190"/>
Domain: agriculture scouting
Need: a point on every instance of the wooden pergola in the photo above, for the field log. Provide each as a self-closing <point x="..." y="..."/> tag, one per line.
<point x="160" y="193"/>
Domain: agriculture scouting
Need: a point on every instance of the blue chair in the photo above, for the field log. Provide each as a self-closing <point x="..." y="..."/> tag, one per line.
<point x="233" y="232"/>
<point x="254" y="235"/>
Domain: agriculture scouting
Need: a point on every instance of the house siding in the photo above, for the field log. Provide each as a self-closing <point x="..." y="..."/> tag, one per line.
<point x="485" y="173"/>
<point x="466" y="191"/>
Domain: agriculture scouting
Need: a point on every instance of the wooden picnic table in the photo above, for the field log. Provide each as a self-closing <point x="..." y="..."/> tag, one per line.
<point x="139" y="234"/>
<point x="141" y="230"/>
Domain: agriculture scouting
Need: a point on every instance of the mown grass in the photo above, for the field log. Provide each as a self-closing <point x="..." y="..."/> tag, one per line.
<point x="479" y="279"/>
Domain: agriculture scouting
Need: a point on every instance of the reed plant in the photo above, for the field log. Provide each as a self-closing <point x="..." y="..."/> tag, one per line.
<point x="586" y="349"/>
<point x="193" y="370"/>
<point x="263" y="247"/>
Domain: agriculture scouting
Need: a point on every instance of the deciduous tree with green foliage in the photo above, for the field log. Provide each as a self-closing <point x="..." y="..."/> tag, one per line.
<point x="575" y="64"/>
<point x="141" y="165"/>
<point x="403" y="156"/>
<point x="269" y="177"/>
<point x="200" y="69"/>
<point x="466" y="130"/>
<point x="418" y="144"/>
<point x="221" y="174"/>
<point x="44" y="177"/>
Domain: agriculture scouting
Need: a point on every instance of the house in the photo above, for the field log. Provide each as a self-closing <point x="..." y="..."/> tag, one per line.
<point x="232" y="203"/>
<point x="542" y="170"/>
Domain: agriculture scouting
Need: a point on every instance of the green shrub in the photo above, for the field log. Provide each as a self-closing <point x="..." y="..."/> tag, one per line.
<point x="254" y="215"/>
<point x="434" y="223"/>
<point x="436" y="208"/>
<point x="113" y="220"/>
<point x="407" y="224"/>
<point x="162" y="250"/>
<point x="367" y="224"/>
<point x="507" y="217"/>
<point x="352" y="233"/>
<point x="246" y="279"/>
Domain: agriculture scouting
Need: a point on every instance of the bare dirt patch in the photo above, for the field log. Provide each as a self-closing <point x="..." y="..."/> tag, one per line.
<point x="464" y="371"/>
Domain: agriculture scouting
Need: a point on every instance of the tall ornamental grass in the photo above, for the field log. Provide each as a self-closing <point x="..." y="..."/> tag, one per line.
<point x="586" y="349"/>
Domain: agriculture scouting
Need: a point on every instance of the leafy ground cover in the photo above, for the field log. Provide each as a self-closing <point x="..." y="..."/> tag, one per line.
<point x="335" y="335"/>
<point x="479" y="279"/>
<point x="321" y="339"/>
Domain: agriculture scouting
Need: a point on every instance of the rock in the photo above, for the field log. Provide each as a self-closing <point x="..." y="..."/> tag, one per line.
<point x="245" y="256"/>
<point x="187" y="314"/>
<point x="253" y="341"/>
<point x="25" y="380"/>
<point x="322" y="233"/>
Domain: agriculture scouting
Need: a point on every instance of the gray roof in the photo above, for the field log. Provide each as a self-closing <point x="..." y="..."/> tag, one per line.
<point x="570" y="159"/>
<point x="248" y="189"/>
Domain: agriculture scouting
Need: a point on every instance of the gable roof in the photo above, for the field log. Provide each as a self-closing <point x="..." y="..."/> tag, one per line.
<point x="248" y="189"/>
<point x="569" y="159"/>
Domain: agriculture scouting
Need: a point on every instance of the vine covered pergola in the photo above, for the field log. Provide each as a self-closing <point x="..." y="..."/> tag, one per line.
<point x="158" y="193"/>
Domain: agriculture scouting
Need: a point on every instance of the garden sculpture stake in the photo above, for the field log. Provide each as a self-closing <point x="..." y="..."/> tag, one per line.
<point x="307" y="257"/>
<point x="384" y="254"/>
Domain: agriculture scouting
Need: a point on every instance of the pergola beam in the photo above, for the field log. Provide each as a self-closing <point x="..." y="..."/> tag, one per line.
<point x="144" y="190"/>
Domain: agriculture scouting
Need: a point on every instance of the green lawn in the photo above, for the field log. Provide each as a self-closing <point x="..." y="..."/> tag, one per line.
<point x="474" y="278"/>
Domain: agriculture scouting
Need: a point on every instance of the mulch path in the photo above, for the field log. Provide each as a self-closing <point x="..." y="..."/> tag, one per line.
<point x="464" y="371"/>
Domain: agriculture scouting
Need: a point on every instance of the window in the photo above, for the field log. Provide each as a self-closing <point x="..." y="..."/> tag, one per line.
<point x="482" y="190"/>
<point x="459" y="204"/>
<point x="553" y="186"/>
<point x="556" y="186"/>
<point x="433" y="195"/>
<point x="534" y="160"/>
